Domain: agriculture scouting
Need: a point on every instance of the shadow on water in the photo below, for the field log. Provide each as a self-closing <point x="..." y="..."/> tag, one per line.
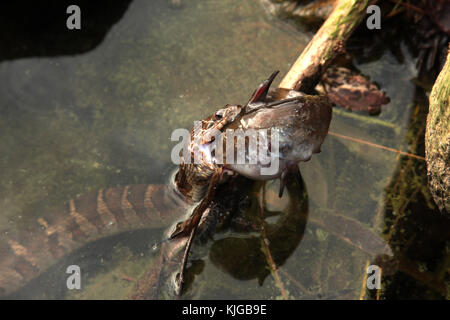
<point x="40" y="30"/>
<point x="244" y="257"/>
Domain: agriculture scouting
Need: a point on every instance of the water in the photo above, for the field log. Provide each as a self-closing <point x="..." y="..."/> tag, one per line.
<point x="76" y="123"/>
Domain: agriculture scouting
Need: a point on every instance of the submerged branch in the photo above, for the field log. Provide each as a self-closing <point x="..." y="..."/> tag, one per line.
<point x="325" y="45"/>
<point x="379" y="146"/>
<point x="265" y="242"/>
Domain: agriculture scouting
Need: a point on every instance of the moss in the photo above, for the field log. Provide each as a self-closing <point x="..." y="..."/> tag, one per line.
<point x="413" y="226"/>
<point x="438" y="139"/>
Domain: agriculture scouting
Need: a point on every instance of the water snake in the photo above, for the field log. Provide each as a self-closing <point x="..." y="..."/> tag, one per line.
<point x="27" y="253"/>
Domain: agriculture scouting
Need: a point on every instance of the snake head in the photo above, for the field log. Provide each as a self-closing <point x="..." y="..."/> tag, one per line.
<point x="227" y="115"/>
<point x="218" y="121"/>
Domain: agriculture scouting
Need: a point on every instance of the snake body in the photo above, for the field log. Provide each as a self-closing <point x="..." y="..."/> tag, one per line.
<point x="27" y="253"/>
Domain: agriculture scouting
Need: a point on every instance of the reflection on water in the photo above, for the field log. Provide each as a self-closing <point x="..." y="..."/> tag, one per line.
<point x="75" y="124"/>
<point x="244" y="257"/>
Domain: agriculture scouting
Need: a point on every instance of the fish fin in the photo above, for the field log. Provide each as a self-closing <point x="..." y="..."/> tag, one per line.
<point x="283" y="179"/>
<point x="261" y="92"/>
<point x="295" y="170"/>
<point x="291" y="170"/>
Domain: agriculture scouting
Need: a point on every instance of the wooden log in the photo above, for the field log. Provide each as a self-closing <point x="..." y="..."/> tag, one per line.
<point x="325" y="45"/>
<point x="437" y="139"/>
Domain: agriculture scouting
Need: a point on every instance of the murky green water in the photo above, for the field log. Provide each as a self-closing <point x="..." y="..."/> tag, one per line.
<point x="74" y="124"/>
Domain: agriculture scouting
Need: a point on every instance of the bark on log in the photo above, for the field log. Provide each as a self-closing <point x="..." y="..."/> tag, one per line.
<point x="437" y="139"/>
<point x="325" y="45"/>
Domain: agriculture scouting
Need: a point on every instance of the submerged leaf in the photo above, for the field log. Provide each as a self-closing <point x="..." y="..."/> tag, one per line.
<point x="352" y="91"/>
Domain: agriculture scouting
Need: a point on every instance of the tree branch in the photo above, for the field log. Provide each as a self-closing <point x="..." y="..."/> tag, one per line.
<point x="325" y="45"/>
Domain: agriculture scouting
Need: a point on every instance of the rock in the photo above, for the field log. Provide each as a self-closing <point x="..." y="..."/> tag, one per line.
<point x="437" y="140"/>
